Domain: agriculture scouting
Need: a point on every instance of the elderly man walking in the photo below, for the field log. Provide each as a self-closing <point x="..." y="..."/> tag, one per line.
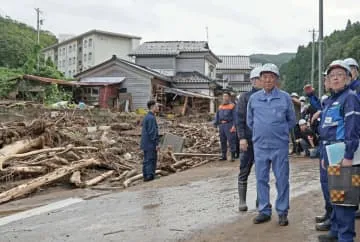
<point x="270" y="116"/>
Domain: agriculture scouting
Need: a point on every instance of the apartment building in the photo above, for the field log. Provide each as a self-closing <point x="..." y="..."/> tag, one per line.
<point x="84" y="51"/>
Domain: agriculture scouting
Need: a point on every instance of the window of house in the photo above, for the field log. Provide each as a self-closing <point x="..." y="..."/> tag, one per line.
<point x="85" y="43"/>
<point x="63" y="51"/>
<point x="74" y="60"/>
<point x="95" y="91"/>
<point x="85" y="57"/>
<point x="90" y="56"/>
<point x="90" y="43"/>
<point x="63" y="64"/>
<point x="73" y="72"/>
<point x="69" y="73"/>
<point x="70" y="62"/>
<point x="70" y="49"/>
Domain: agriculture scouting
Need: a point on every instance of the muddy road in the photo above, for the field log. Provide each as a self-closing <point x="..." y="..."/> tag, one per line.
<point x="195" y="205"/>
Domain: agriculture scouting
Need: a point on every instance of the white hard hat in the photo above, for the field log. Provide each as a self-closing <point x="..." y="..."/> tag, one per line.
<point x="269" y="67"/>
<point x="294" y="94"/>
<point x="340" y="64"/>
<point x="351" y="62"/>
<point x="302" y="99"/>
<point x="302" y="121"/>
<point x="255" y="73"/>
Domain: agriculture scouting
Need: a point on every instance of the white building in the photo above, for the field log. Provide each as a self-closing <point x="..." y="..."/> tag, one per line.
<point x="81" y="52"/>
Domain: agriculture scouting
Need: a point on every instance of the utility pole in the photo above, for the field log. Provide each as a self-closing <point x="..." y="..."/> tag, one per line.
<point x="321" y="42"/>
<point x="207" y="34"/>
<point x="38" y="22"/>
<point x="313" y="57"/>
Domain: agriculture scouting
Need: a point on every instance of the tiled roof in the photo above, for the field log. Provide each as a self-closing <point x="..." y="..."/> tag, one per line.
<point x="136" y="66"/>
<point x="170" y="48"/>
<point x="191" y="77"/>
<point x="234" y="62"/>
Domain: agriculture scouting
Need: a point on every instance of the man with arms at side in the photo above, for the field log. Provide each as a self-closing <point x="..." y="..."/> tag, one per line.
<point x="150" y="141"/>
<point x="245" y="136"/>
<point x="270" y="116"/>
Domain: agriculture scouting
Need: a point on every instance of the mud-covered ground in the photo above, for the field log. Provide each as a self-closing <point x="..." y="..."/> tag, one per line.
<point x="195" y="205"/>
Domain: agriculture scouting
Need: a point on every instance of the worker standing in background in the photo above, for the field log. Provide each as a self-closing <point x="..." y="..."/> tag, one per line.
<point x="150" y="141"/>
<point x="245" y="136"/>
<point x="270" y="116"/>
<point x="355" y="81"/>
<point x="226" y="121"/>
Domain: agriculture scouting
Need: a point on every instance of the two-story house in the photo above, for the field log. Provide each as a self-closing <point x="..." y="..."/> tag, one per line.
<point x="234" y="70"/>
<point x="190" y="64"/>
<point x="89" y="49"/>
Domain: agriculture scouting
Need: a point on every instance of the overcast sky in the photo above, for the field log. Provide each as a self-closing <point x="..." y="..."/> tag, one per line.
<point x="235" y="26"/>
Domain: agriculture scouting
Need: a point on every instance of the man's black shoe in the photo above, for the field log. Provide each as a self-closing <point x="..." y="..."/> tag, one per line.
<point x="147" y="179"/>
<point x="324" y="226"/>
<point x="327" y="238"/>
<point x="223" y="158"/>
<point x="321" y="218"/>
<point x="261" y="218"/>
<point x="283" y="220"/>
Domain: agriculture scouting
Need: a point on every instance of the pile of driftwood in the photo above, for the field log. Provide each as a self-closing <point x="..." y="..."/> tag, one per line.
<point x="61" y="146"/>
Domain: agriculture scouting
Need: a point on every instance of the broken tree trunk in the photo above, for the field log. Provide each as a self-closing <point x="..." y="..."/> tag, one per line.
<point x="196" y="154"/>
<point x="122" y="176"/>
<point x="18" y="147"/>
<point x="4" y="159"/>
<point x="76" y="179"/>
<point x="27" y="169"/>
<point x="30" y="186"/>
<point x="138" y="177"/>
<point x="98" y="179"/>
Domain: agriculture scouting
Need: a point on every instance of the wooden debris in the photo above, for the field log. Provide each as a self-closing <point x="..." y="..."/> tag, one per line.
<point x="30" y="186"/>
<point x="98" y="179"/>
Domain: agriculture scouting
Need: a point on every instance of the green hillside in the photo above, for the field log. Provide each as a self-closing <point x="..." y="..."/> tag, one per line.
<point x="279" y="59"/>
<point x="339" y="45"/>
<point x="18" y="42"/>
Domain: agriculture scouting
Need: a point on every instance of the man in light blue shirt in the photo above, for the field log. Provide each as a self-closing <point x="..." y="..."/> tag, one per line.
<point x="270" y="116"/>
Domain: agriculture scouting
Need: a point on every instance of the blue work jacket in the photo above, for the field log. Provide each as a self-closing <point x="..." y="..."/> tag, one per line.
<point x="270" y="117"/>
<point x="149" y="132"/>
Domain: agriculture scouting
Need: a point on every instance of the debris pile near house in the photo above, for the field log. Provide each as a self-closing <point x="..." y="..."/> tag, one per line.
<point x="62" y="147"/>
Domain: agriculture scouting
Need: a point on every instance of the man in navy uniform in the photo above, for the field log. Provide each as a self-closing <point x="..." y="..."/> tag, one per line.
<point x="226" y="120"/>
<point x="245" y="135"/>
<point x="150" y="141"/>
<point x="340" y="121"/>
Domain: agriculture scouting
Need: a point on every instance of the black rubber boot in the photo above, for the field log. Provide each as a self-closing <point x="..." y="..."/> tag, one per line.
<point x="233" y="156"/>
<point x="242" y="188"/>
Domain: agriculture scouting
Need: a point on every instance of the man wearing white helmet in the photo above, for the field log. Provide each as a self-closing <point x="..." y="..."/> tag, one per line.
<point x="355" y="82"/>
<point x="245" y="135"/>
<point x="340" y="120"/>
<point x="270" y="116"/>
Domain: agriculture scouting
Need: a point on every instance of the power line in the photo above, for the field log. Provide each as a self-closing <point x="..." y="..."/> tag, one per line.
<point x="321" y="42"/>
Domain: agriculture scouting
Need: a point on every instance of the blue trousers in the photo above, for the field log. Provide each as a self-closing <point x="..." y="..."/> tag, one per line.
<point x="278" y="159"/>
<point x="324" y="179"/>
<point x="225" y="137"/>
<point x="149" y="164"/>
<point x="343" y="223"/>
